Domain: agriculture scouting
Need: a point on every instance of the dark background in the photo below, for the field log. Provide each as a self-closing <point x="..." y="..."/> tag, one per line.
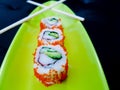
<point x="101" y="23"/>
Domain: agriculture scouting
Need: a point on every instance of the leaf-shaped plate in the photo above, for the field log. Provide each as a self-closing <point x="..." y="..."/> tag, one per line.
<point x="85" y="71"/>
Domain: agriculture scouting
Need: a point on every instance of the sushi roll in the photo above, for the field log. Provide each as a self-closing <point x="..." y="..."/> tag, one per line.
<point x="50" y="64"/>
<point x="51" y="23"/>
<point x="51" y="37"/>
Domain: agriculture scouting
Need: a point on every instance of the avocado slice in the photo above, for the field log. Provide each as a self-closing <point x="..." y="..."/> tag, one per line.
<point x="54" y="55"/>
<point x="52" y="20"/>
<point x="54" y="34"/>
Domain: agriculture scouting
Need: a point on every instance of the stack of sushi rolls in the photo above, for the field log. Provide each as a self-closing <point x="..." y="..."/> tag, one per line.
<point x="50" y="57"/>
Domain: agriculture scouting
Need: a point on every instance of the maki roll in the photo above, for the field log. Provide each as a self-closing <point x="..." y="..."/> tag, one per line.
<point x="50" y="57"/>
<point x="51" y="37"/>
<point x="51" y="23"/>
<point x="50" y="64"/>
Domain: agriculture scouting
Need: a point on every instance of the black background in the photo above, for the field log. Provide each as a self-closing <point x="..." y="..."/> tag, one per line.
<point x="101" y="23"/>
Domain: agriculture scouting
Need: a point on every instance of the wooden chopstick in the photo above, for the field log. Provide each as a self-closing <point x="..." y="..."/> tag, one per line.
<point x="29" y="17"/>
<point x="56" y="10"/>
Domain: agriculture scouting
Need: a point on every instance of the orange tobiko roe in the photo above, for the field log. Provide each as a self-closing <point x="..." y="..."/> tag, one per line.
<point x="52" y="77"/>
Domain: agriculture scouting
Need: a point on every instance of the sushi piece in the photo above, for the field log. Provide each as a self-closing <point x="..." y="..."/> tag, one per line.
<point x="50" y="64"/>
<point x="51" y="23"/>
<point x="51" y="37"/>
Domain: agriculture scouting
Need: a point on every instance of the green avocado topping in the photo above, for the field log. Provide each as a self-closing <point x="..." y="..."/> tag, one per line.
<point x="54" y="34"/>
<point x="54" y="54"/>
<point x="52" y="20"/>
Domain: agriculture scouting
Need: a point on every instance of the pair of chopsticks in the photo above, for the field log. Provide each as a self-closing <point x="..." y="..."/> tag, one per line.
<point x="56" y="10"/>
<point x="39" y="12"/>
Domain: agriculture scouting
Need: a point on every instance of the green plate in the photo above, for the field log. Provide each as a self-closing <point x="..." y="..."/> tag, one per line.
<point x="85" y="71"/>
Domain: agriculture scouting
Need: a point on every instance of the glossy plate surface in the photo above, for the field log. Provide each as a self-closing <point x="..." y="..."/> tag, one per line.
<point x="85" y="72"/>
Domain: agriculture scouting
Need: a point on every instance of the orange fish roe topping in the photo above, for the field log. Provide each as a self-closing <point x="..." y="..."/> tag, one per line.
<point x="52" y="77"/>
